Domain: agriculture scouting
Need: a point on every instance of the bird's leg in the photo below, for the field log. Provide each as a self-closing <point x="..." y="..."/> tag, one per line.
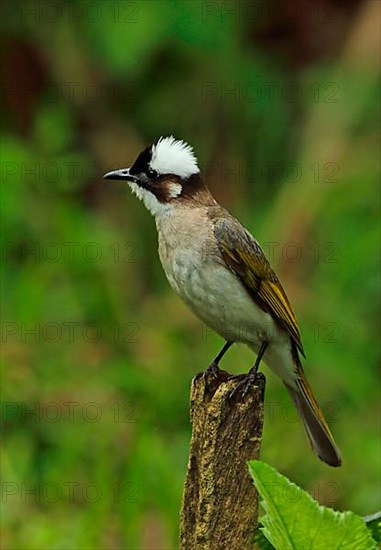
<point x="254" y="369"/>
<point x="249" y="379"/>
<point x="213" y="367"/>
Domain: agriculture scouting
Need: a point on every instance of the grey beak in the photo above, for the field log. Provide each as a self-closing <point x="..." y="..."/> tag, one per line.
<point x="122" y="174"/>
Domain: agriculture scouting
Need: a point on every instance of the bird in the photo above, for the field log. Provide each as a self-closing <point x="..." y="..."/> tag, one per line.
<point x="221" y="272"/>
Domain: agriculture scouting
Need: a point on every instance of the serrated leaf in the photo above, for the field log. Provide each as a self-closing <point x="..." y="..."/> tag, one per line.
<point x="373" y="523"/>
<point x="294" y="521"/>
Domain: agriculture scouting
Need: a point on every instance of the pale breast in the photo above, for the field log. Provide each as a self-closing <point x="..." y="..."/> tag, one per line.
<point x="196" y="271"/>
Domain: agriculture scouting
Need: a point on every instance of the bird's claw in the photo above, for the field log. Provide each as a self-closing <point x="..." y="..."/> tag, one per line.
<point x="243" y="386"/>
<point x="212" y="371"/>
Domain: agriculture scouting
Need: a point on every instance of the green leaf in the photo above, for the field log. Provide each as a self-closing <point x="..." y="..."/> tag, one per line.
<point x="260" y="541"/>
<point x="373" y="523"/>
<point x="294" y="520"/>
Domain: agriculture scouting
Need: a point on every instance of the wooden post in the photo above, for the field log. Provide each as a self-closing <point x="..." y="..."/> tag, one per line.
<point x="219" y="508"/>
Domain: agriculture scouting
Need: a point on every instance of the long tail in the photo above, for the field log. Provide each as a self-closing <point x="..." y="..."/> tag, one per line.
<point x="316" y="426"/>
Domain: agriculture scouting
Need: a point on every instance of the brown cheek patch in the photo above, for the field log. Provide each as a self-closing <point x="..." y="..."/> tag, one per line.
<point x="161" y="187"/>
<point x="192" y="188"/>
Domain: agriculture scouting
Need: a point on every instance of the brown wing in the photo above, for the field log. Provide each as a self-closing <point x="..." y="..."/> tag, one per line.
<point x="246" y="259"/>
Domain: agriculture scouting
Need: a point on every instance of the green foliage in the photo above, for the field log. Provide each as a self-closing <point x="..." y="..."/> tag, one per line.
<point x="260" y="541"/>
<point x="293" y="520"/>
<point x="373" y="523"/>
<point x="135" y="347"/>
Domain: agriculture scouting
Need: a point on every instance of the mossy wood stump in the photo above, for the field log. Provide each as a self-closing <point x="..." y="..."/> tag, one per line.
<point x="220" y="506"/>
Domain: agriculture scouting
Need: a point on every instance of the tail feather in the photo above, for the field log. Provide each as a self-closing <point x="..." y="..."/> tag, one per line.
<point x="315" y="424"/>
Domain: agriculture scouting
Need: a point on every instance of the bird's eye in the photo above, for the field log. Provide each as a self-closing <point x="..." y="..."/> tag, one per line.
<point x="151" y="173"/>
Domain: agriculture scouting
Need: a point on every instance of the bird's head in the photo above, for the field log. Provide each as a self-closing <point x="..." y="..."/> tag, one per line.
<point x="164" y="175"/>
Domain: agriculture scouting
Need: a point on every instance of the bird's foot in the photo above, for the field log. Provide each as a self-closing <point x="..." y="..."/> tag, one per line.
<point x="210" y="375"/>
<point x="245" y="383"/>
<point x="213" y="370"/>
<point x="213" y="377"/>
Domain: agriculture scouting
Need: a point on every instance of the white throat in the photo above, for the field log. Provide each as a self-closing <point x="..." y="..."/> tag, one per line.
<point x="157" y="208"/>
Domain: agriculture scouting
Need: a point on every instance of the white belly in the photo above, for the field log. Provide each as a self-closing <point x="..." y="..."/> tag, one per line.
<point x="217" y="297"/>
<point x="220" y="300"/>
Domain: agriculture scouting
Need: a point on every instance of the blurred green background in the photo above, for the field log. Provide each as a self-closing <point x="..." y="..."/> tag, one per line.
<point x="280" y="101"/>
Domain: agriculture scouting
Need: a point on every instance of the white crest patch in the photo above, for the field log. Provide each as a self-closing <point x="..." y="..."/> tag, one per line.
<point x="175" y="189"/>
<point x="172" y="156"/>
